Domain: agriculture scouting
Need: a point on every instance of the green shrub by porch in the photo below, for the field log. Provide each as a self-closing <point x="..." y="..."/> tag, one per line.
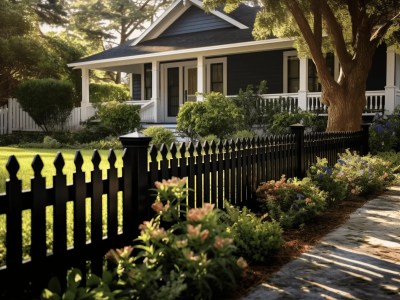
<point x="49" y="102"/>
<point x="118" y="117"/>
<point x="217" y="115"/>
<point x="106" y="92"/>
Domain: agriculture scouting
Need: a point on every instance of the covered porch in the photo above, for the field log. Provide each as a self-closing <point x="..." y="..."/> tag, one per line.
<point x="161" y="82"/>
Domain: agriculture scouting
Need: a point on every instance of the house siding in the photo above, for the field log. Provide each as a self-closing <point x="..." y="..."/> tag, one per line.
<point x="252" y="68"/>
<point x="377" y="75"/>
<point x="195" y="20"/>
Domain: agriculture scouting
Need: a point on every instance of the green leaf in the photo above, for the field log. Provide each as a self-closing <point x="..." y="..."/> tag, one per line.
<point x="54" y="285"/>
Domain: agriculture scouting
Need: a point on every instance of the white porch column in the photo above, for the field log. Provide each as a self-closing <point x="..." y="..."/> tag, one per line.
<point x="390" y="88"/>
<point x="201" y="82"/>
<point x="85" y="103"/>
<point x="130" y="85"/>
<point x="155" y="88"/>
<point x="303" y="83"/>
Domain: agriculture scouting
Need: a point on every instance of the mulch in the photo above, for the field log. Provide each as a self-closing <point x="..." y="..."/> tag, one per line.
<point x="297" y="241"/>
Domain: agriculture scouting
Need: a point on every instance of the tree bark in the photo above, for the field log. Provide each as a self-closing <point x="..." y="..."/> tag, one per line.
<point x="345" y="109"/>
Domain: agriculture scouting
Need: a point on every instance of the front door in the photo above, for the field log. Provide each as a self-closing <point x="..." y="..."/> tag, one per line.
<point x="190" y="84"/>
<point x="180" y="85"/>
<point x="173" y="92"/>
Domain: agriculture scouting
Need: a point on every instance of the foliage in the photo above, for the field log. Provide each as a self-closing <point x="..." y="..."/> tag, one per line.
<point x="292" y="202"/>
<point x="160" y="135"/>
<point x="325" y="178"/>
<point x="192" y="258"/>
<point x="244" y="134"/>
<point x="216" y="115"/>
<point x="119" y="118"/>
<point x="20" y="137"/>
<point x="209" y="138"/>
<point x="27" y="53"/>
<point x="249" y="103"/>
<point x="364" y="174"/>
<point x="49" y="102"/>
<point x="384" y="132"/>
<point x="281" y="122"/>
<point x="392" y="158"/>
<point x="106" y="92"/>
<point x="112" y="22"/>
<point x="50" y="142"/>
<point x="254" y="237"/>
<point x="350" y="29"/>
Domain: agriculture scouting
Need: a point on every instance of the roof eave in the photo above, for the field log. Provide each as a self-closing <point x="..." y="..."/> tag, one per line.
<point x="271" y="44"/>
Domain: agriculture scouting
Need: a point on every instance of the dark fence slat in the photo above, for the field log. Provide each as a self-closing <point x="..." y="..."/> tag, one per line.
<point x="112" y="199"/>
<point x="14" y="226"/>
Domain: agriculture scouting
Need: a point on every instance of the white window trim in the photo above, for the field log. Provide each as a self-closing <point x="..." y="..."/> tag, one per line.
<point x="217" y="60"/>
<point x="286" y="56"/>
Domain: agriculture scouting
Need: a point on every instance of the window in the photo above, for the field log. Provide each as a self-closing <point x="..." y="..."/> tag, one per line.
<point x="136" y="86"/>
<point x="147" y="82"/>
<point x="217" y="77"/>
<point x="293" y="71"/>
<point x="313" y="82"/>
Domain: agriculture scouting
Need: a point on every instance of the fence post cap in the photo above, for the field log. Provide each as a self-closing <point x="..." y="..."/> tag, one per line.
<point x="134" y="138"/>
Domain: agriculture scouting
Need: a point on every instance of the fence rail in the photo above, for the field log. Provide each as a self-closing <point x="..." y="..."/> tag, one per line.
<point x="228" y="170"/>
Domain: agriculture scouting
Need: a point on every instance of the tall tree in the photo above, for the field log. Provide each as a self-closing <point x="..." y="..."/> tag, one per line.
<point x="26" y="52"/>
<point x="108" y="23"/>
<point x="351" y="28"/>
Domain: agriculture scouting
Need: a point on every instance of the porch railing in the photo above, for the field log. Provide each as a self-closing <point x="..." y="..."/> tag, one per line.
<point x="375" y="103"/>
<point x="147" y="109"/>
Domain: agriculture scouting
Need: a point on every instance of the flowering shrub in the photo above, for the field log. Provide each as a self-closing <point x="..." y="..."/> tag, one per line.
<point x="325" y="178"/>
<point x="384" y="133"/>
<point x="364" y="174"/>
<point x="193" y="259"/>
<point x="254" y="237"/>
<point x="292" y="202"/>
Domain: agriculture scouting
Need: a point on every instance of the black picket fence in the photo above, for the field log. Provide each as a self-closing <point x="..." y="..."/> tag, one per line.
<point x="230" y="170"/>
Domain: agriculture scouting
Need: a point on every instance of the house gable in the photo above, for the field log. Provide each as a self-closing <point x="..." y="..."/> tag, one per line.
<point x="195" y="20"/>
<point x="174" y="12"/>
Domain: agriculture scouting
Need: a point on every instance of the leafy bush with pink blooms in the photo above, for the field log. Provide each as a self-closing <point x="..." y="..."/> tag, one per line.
<point x="191" y="257"/>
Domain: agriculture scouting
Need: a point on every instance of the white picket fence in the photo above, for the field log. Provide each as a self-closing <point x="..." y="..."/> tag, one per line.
<point x="14" y="118"/>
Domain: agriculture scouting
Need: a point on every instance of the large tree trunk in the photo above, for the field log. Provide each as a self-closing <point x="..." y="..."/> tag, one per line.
<point x="345" y="109"/>
<point x="346" y="98"/>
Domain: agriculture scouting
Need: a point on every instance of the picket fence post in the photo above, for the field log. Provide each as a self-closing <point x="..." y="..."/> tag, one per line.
<point x="298" y="131"/>
<point x="136" y="186"/>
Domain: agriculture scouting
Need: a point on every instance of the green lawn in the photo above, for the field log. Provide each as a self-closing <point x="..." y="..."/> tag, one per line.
<point x="25" y="158"/>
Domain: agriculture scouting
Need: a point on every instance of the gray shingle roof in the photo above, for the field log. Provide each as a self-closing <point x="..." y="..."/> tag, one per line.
<point x="244" y="14"/>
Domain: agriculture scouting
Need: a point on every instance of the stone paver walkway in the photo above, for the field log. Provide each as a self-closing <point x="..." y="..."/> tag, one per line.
<point x="359" y="260"/>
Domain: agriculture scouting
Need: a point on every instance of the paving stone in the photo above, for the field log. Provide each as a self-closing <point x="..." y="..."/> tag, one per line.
<point x="358" y="260"/>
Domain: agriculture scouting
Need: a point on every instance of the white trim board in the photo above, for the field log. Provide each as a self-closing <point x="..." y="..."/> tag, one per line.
<point x="226" y="49"/>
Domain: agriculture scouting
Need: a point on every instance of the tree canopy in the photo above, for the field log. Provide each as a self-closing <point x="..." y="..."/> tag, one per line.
<point x="352" y="29"/>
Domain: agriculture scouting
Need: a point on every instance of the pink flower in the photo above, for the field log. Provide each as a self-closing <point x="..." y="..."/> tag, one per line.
<point x="158" y="233"/>
<point x="173" y="182"/>
<point x="197" y="214"/>
<point x="308" y="200"/>
<point x="157" y="206"/>
<point x="193" y="232"/>
<point x="204" y="235"/>
<point x="219" y="242"/>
